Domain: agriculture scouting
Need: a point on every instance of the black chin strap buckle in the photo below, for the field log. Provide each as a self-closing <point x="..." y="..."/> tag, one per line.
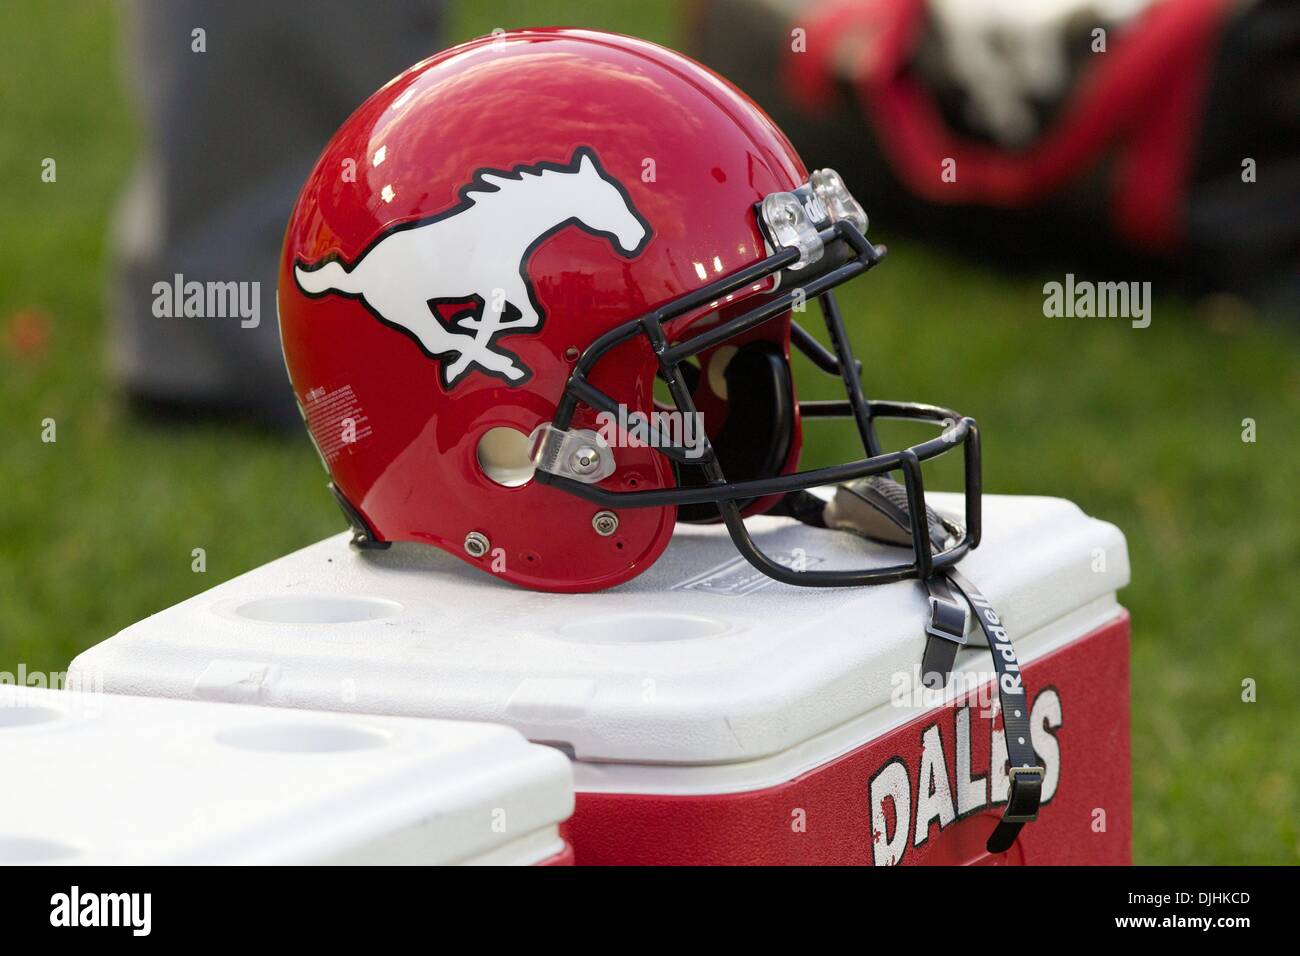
<point x="1026" y="792"/>
<point x="946" y="632"/>
<point x="1022" y="807"/>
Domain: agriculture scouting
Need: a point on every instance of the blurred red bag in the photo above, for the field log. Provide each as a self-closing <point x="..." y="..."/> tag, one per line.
<point x="1166" y="128"/>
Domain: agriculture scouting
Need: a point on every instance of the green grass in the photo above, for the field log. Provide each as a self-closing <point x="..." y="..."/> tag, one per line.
<point x="1140" y="427"/>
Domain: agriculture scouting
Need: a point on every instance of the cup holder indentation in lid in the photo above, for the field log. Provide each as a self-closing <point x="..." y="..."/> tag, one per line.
<point x="316" y="609"/>
<point x="15" y="716"/>
<point x="22" y="849"/>
<point x="302" y="738"/>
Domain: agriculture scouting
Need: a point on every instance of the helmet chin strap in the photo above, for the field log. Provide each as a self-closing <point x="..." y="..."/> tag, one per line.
<point x="876" y="508"/>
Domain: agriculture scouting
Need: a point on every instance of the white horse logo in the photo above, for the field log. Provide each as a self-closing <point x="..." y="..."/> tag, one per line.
<point x="477" y="253"/>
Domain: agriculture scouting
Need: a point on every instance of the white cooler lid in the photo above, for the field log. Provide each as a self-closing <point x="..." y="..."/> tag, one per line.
<point x="101" y="779"/>
<point x="700" y="660"/>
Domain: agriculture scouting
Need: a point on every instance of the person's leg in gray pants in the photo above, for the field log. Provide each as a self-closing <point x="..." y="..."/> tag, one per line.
<point x="230" y="135"/>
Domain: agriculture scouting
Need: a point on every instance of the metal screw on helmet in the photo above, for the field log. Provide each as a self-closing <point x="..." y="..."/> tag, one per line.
<point x="476" y="544"/>
<point x="585" y="460"/>
<point x="605" y="523"/>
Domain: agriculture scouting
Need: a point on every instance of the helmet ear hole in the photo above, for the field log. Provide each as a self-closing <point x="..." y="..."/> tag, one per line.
<point x="754" y="438"/>
<point x="503" y="456"/>
<point x="719" y="365"/>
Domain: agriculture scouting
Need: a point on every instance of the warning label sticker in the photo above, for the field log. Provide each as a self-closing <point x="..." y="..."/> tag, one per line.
<point x="336" y="421"/>
<point x="738" y="577"/>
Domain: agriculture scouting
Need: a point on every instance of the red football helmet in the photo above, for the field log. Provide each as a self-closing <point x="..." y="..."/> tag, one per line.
<point x="500" y="252"/>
